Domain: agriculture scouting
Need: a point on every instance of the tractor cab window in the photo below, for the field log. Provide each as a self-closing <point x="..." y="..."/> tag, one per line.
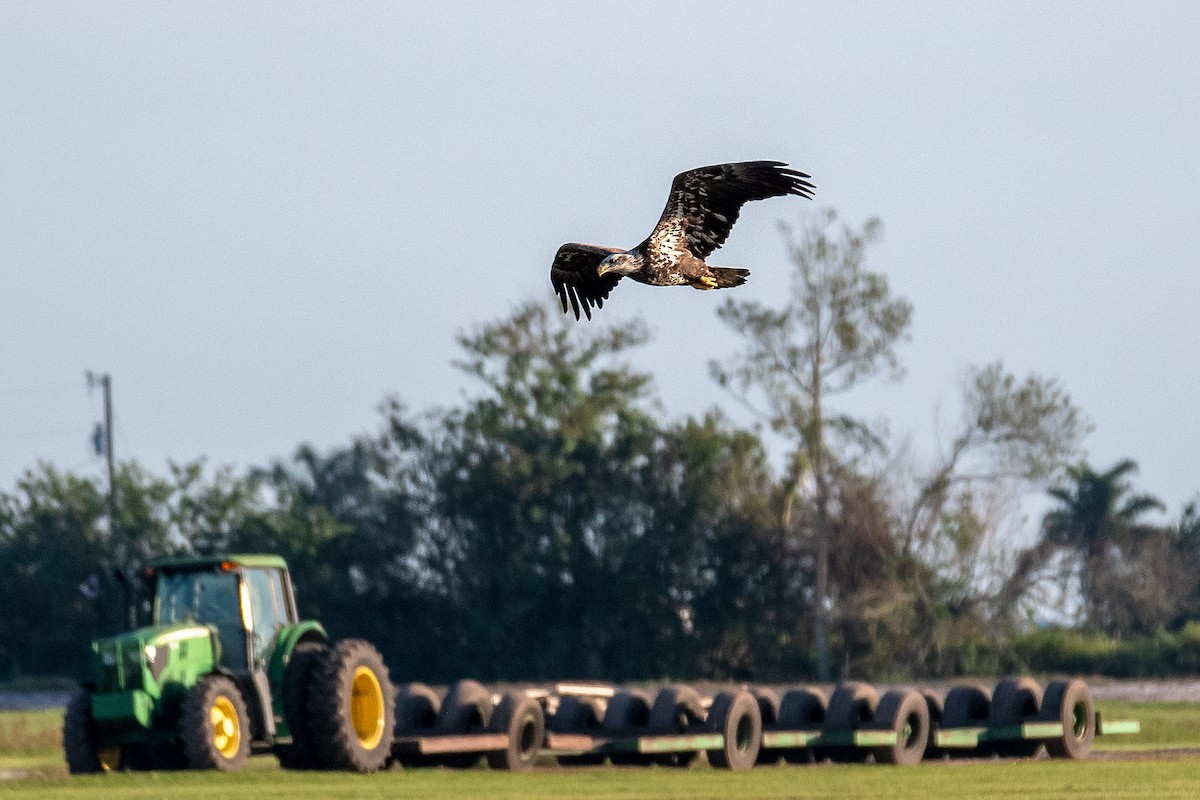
<point x="207" y="598"/>
<point x="269" y="611"/>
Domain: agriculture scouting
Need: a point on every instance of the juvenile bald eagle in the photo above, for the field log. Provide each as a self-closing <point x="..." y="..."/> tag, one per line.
<point x="703" y="205"/>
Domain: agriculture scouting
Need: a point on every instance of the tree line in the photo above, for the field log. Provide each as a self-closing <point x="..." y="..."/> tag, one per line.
<point x="559" y="524"/>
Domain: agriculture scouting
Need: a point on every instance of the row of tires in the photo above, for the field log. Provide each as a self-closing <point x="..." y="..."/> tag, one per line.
<point x="754" y="723"/>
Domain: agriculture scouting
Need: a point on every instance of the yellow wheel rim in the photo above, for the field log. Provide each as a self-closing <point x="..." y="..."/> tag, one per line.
<point x="366" y="708"/>
<point x="226" y="727"/>
<point x="109" y="757"/>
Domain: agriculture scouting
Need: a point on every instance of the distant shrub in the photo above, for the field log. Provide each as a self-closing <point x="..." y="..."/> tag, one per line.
<point x="1065" y="650"/>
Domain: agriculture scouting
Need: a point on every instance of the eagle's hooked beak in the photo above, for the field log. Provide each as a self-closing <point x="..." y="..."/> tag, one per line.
<point x="606" y="266"/>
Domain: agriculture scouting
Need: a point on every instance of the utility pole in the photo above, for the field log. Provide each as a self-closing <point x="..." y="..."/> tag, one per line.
<point x="105" y="382"/>
<point x="119" y="545"/>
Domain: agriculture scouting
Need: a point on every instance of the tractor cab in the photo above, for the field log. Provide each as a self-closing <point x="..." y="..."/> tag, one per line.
<point x="248" y="599"/>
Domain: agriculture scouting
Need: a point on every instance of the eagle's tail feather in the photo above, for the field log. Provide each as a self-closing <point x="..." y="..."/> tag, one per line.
<point x="727" y="277"/>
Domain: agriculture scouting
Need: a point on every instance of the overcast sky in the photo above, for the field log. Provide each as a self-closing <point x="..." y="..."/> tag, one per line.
<point x="262" y="219"/>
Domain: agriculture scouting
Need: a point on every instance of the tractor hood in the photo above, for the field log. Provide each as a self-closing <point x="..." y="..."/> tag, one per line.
<point x="149" y="658"/>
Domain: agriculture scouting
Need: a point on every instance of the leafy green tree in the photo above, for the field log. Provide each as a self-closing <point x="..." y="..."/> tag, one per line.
<point x="571" y="532"/>
<point x="739" y="579"/>
<point x="63" y="571"/>
<point x="839" y="327"/>
<point x="539" y="484"/>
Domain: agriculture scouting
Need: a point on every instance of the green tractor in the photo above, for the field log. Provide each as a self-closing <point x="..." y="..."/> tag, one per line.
<point x="227" y="668"/>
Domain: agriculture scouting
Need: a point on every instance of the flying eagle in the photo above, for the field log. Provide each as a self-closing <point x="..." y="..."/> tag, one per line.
<point x="701" y="209"/>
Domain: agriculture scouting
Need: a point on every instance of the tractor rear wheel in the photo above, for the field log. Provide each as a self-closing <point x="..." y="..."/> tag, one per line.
<point x="84" y="750"/>
<point x="296" y="677"/>
<point x="215" y="725"/>
<point x="351" y="708"/>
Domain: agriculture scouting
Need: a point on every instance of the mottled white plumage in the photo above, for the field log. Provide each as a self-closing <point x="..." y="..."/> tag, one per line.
<point x="703" y="206"/>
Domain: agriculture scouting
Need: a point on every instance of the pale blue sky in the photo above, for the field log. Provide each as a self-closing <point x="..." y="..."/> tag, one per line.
<point x="263" y="218"/>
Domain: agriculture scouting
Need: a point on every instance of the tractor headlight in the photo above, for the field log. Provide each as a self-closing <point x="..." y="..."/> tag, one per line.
<point x="157" y="658"/>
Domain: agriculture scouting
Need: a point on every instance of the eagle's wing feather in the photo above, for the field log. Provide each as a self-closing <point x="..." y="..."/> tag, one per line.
<point x="576" y="280"/>
<point x="705" y="202"/>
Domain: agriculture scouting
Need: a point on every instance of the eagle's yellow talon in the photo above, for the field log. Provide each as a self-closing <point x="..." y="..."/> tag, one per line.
<point x="705" y="282"/>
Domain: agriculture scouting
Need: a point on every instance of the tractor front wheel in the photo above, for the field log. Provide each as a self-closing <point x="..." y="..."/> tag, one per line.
<point x="84" y="750"/>
<point x="216" y="726"/>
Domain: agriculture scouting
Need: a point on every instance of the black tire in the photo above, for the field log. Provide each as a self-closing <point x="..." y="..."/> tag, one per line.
<point x="737" y="717"/>
<point x="215" y="726"/>
<point x="522" y="718"/>
<point x="296" y="677"/>
<point x="676" y="710"/>
<point x="967" y="707"/>
<point x="351" y="708"/>
<point x="578" y="715"/>
<point x="936" y="706"/>
<point x="628" y="714"/>
<point x="802" y="709"/>
<point x="82" y="745"/>
<point x="417" y="708"/>
<point x="1070" y="702"/>
<point x="467" y="707"/>
<point x="768" y="709"/>
<point x="851" y="706"/>
<point x="906" y="713"/>
<point x="1016" y="701"/>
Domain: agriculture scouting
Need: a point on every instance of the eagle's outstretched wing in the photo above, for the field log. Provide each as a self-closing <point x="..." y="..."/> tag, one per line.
<point x="705" y="201"/>
<point x="576" y="280"/>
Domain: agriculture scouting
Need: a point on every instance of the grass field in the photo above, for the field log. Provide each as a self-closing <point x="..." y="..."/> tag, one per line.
<point x="29" y="748"/>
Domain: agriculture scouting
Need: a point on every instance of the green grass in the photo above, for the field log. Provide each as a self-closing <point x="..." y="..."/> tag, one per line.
<point x="29" y="745"/>
<point x="29" y="733"/>
<point x="1170" y="780"/>
<point x="1165" y="726"/>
